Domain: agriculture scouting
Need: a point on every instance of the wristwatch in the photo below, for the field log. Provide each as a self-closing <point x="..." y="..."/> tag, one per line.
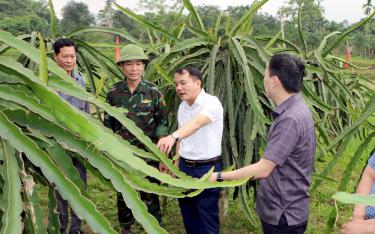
<point x="219" y="178"/>
<point x="175" y="136"/>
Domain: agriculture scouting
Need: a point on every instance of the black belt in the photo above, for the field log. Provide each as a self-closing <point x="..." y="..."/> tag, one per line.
<point x="197" y="163"/>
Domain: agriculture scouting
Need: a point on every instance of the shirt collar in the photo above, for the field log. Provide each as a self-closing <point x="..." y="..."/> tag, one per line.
<point x="200" y="98"/>
<point x="75" y="75"/>
<point x="140" y="88"/>
<point x="286" y="104"/>
<point x="198" y="101"/>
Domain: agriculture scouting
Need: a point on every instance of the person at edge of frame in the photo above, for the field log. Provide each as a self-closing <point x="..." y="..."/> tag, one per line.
<point x="146" y="107"/>
<point x="363" y="218"/>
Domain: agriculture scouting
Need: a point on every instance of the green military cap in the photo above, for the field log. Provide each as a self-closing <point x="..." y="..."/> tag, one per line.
<point x="132" y="52"/>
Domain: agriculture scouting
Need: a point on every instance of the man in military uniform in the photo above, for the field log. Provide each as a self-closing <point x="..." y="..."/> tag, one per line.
<point x="146" y="107"/>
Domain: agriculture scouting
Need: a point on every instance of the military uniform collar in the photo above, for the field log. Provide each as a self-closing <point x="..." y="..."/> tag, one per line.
<point x="140" y="88"/>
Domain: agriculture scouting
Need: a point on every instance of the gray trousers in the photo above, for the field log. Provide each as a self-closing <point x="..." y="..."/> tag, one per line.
<point x="62" y="205"/>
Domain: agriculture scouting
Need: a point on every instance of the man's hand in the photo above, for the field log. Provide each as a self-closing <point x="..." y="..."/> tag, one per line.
<point x="163" y="168"/>
<point x="358" y="226"/>
<point x="213" y="177"/>
<point x="165" y="144"/>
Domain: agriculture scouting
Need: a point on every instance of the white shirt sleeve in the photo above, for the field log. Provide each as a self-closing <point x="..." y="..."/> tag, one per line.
<point x="179" y="117"/>
<point x="213" y="109"/>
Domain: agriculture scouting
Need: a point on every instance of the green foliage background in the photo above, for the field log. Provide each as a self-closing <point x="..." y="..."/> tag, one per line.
<point x="36" y="122"/>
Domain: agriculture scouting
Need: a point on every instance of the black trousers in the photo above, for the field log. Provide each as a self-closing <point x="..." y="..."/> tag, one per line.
<point x="62" y="205"/>
<point x="283" y="227"/>
<point x="124" y="214"/>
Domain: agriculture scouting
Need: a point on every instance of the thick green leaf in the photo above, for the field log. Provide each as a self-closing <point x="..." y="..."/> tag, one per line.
<point x="11" y="220"/>
<point x="106" y="64"/>
<point x="120" y="179"/>
<point x="144" y="22"/>
<point x="324" y="41"/>
<point x="35" y="105"/>
<point x="194" y="14"/>
<point x="43" y="71"/>
<point x="293" y="47"/>
<point x="315" y="99"/>
<point x="212" y="65"/>
<point x="21" y="97"/>
<point x="64" y="161"/>
<point x="33" y="218"/>
<point x="88" y="68"/>
<point x="337" y="155"/>
<point x="354" y="198"/>
<point x="52" y="18"/>
<point x="113" y="31"/>
<point x="188" y="24"/>
<point x="216" y="30"/>
<point x="180" y="60"/>
<point x="248" y="16"/>
<point x="300" y="33"/>
<point x="230" y="104"/>
<point x="93" y="131"/>
<point x="81" y="205"/>
<point x="273" y="40"/>
<point x="81" y="124"/>
<point x="251" y="93"/>
<point x="53" y="215"/>
<point x="164" y="74"/>
<point x="97" y="159"/>
<point x="249" y="213"/>
<point x="190" y="43"/>
<point x="366" y="113"/>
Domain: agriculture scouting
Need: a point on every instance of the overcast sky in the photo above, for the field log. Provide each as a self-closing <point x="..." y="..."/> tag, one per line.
<point x="335" y="10"/>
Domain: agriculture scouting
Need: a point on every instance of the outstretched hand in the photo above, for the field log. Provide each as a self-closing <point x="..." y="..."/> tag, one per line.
<point x="163" y="168"/>
<point x="165" y="144"/>
<point x="358" y="226"/>
<point x="213" y="177"/>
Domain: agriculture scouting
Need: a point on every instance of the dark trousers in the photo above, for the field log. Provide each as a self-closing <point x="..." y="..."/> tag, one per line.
<point x="200" y="213"/>
<point x="283" y="227"/>
<point x="125" y="216"/>
<point x="62" y="205"/>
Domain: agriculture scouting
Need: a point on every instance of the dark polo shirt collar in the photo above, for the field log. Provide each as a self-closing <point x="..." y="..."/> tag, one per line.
<point x="286" y="104"/>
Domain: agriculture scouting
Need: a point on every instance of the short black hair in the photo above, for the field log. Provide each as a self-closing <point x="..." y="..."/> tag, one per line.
<point x="193" y="72"/>
<point x="62" y="42"/>
<point x="289" y="69"/>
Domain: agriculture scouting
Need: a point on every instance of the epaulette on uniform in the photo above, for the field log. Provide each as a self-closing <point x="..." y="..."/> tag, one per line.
<point x="115" y="86"/>
<point x="152" y="86"/>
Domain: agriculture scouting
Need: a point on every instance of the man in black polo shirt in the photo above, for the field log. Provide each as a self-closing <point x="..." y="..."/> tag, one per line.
<point x="285" y="170"/>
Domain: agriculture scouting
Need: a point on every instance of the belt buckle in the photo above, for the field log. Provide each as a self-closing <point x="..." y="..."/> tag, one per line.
<point x="190" y="163"/>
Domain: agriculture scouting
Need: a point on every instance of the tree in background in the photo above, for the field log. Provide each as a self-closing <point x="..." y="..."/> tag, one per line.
<point x="21" y="17"/>
<point x="159" y="6"/>
<point x="368" y="8"/>
<point x="209" y="14"/>
<point x="76" y="15"/>
<point x="313" y="21"/>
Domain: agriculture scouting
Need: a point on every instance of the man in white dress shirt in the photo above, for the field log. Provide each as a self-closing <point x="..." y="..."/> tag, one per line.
<point x="200" y="128"/>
